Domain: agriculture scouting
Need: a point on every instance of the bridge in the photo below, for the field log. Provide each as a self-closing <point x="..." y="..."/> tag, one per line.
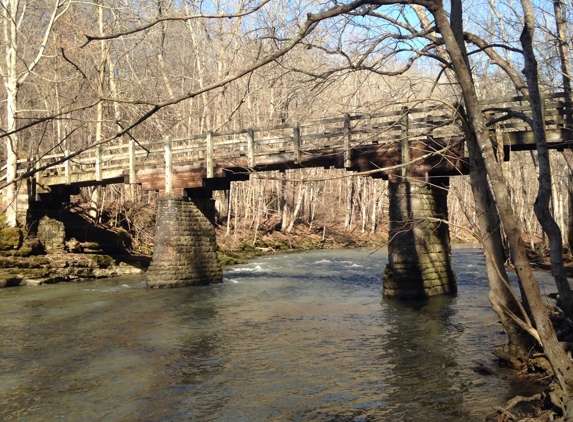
<point x="410" y="146"/>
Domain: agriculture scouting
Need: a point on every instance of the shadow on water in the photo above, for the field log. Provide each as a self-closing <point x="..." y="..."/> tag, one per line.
<point x="293" y="338"/>
<point x="192" y="360"/>
<point x="422" y="343"/>
<point x="72" y="351"/>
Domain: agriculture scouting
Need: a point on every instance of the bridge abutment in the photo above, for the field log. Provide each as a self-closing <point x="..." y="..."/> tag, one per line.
<point x="419" y="252"/>
<point x="185" y="251"/>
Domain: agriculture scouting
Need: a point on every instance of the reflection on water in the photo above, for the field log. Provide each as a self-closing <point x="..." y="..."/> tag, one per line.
<point x="300" y="337"/>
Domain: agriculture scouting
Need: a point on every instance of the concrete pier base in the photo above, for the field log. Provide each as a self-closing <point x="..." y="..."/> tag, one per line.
<point x="419" y="252"/>
<point x="185" y="251"/>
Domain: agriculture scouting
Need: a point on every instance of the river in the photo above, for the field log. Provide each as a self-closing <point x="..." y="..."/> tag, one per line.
<point x="300" y="337"/>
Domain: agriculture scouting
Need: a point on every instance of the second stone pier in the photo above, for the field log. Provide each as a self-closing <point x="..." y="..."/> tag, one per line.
<point x="419" y="252"/>
<point x="185" y="251"/>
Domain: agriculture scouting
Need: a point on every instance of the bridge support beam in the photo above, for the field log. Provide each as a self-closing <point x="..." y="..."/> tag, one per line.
<point x="185" y="248"/>
<point x="419" y="254"/>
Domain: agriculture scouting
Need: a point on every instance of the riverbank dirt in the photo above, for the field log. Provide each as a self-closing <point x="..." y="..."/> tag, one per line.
<point x="551" y="404"/>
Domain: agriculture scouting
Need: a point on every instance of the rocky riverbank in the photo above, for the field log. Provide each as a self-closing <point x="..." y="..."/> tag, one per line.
<point x="55" y="254"/>
<point x="54" y="268"/>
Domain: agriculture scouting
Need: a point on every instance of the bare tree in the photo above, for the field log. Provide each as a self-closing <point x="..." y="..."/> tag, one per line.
<point x="19" y="63"/>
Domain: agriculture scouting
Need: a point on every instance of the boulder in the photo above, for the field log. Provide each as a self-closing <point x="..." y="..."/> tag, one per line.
<point x="52" y="235"/>
<point x="74" y="246"/>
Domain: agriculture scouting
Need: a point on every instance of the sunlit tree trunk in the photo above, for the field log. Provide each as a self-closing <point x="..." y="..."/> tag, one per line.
<point x="349" y="216"/>
<point x="543" y="327"/>
<point x="542" y="202"/>
<point x="10" y="18"/>
<point x="14" y="75"/>
<point x="559" y="9"/>
<point x="298" y="206"/>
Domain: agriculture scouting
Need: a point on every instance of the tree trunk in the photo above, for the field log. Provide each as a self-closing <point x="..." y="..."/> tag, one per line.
<point x="561" y="26"/>
<point x="375" y="198"/>
<point x="298" y="207"/>
<point x="501" y="296"/>
<point x="10" y="11"/>
<point x="13" y="78"/>
<point x="546" y="334"/>
<point x="229" y="206"/>
<point x="283" y="205"/>
<point x="348" y="219"/>
<point x="542" y="202"/>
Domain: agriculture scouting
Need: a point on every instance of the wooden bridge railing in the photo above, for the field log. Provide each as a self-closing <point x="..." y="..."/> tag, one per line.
<point x="516" y="130"/>
<point x="112" y="162"/>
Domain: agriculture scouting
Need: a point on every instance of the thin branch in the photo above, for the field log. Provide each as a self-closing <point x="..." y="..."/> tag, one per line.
<point x="72" y="63"/>
<point x="151" y="24"/>
<point x="306" y="28"/>
<point x="44" y="119"/>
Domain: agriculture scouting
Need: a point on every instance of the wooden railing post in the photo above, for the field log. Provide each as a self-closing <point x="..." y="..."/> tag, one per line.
<point x="37" y="179"/>
<point x="251" y="147"/>
<point x="405" y="142"/>
<point x="98" y="168"/>
<point x="347" y="158"/>
<point x="132" y="178"/>
<point x="66" y="168"/>
<point x="459" y="121"/>
<point x="296" y="143"/>
<point x="168" y="169"/>
<point x="542" y="99"/>
<point x="210" y="148"/>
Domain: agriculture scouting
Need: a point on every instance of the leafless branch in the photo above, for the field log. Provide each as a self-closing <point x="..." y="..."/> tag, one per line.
<point x="151" y="24"/>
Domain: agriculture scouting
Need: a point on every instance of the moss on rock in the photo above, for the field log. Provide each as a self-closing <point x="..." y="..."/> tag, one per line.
<point x="101" y="261"/>
<point x="10" y="238"/>
<point x="228" y="258"/>
<point x="30" y="246"/>
<point x="91" y="247"/>
<point x="19" y="262"/>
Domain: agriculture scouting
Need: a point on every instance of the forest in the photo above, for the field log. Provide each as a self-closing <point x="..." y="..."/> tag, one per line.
<point x="76" y="75"/>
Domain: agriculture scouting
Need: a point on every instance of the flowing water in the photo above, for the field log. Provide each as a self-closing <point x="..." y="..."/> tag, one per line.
<point x="302" y="337"/>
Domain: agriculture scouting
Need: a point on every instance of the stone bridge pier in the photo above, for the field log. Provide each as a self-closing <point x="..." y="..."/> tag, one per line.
<point x="185" y="251"/>
<point x="419" y="253"/>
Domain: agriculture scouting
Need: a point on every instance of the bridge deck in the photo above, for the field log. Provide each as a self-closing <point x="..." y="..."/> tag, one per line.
<point x="429" y="137"/>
